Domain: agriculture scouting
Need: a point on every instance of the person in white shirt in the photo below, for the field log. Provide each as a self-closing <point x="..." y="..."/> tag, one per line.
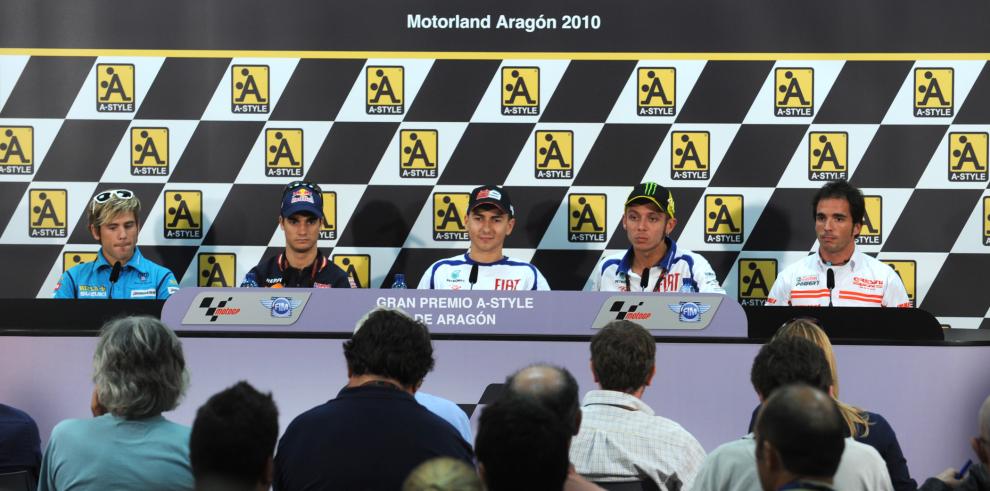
<point x="838" y="274"/>
<point x="484" y="267"/>
<point x="653" y="262"/>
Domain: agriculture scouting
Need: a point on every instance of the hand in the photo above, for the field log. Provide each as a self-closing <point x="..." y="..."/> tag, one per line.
<point x="948" y="476"/>
<point x="95" y="407"/>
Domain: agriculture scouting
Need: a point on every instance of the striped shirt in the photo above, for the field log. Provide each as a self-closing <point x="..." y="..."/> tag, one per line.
<point x="861" y="282"/>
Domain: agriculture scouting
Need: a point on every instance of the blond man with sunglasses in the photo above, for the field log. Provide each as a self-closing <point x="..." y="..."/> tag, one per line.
<point x="114" y="221"/>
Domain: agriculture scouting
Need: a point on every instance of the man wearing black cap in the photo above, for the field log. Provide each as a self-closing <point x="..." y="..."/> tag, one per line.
<point x="654" y="262"/>
<point x="484" y="267"/>
<point x="300" y="265"/>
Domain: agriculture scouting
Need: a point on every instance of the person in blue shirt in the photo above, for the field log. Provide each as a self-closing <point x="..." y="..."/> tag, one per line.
<point x="114" y="222"/>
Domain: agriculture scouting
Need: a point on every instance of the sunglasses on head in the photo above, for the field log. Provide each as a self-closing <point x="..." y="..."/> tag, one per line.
<point x="109" y="194"/>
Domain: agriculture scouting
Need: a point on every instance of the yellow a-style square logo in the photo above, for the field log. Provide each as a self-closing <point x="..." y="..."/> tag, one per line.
<point x="183" y="214"/>
<point x="723" y="218"/>
<point x="554" y="154"/>
<point x="986" y="220"/>
<point x="520" y="91"/>
<point x="933" y="92"/>
<point x="690" y="155"/>
<point x="756" y="276"/>
<point x="72" y="259"/>
<point x="907" y="270"/>
<point x="419" y="155"/>
<point x="357" y="267"/>
<point x="872" y="231"/>
<point x="47" y="213"/>
<point x="828" y="155"/>
<point x="968" y="157"/>
<point x="216" y="269"/>
<point x="385" y="89"/>
<point x="586" y="218"/>
<point x="656" y="91"/>
<point x="794" y="93"/>
<point x="149" y="151"/>
<point x="249" y="89"/>
<point x="328" y="231"/>
<point x="114" y="88"/>
<point x="284" y="152"/>
<point x="16" y="150"/>
<point x="449" y="216"/>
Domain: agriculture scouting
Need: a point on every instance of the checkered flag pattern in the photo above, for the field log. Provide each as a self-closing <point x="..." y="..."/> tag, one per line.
<point x="208" y="145"/>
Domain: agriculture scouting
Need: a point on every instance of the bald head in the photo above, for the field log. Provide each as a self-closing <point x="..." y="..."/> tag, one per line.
<point x="553" y="387"/>
<point x="804" y="426"/>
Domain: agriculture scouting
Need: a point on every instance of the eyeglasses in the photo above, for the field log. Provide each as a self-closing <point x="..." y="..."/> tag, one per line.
<point x="108" y="194"/>
<point x="302" y="184"/>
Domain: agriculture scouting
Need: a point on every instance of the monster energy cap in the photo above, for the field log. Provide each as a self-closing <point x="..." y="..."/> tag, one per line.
<point x="653" y="193"/>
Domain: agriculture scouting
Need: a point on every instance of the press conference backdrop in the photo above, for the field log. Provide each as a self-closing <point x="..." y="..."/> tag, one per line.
<point x="743" y="110"/>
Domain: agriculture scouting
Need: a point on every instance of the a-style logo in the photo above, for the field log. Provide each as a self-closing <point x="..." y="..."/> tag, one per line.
<point x="828" y="156"/>
<point x="933" y="94"/>
<point x="986" y="220"/>
<point x="629" y="311"/>
<point x="223" y="307"/>
<point x="16" y="150"/>
<point x="385" y="89"/>
<point x="420" y="153"/>
<point x="795" y="92"/>
<point x="183" y="214"/>
<point x="689" y="311"/>
<point x="72" y="259"/>
<point x="114" y="88"/>
<point x="872" y="231"/>
<point x="281" y="306"/>
<point x="328" y="230"/>
<point x="149" y="151"/>
<point x="690" y="155"/>
<point x="449" y="215"/>
<point x="520" y="91"/>
<point x="554" y="154"/>
<point x="284" y="152"/>
<point x="216" y="269"/>
<point x="968" y="157"/>
<point x="47" y="213"/>
<point x="249" y="91"/>
<point x="756" y="276"/>
<point x="586" y="220"/>
<point x="908" y="271"/>
<point x="357" y="267"/>
<point x="723" y="218"/>
<point x="656" y="94"/>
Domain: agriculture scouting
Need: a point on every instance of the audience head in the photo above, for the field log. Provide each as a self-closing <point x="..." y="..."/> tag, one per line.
<point x="138" y="368"/>
<point x="809" y="328"/>
<point x="982" y="443"/>
<point x="521" y="444"/>
<point x="552" y="387"/>
<point x="389" y="343"/>
<point x="787" y="360"/>
<point x="623" y="356"/>
<point x="799" y="434"/>
<point x="233" y="440"/>
<point x="443" y="474"/>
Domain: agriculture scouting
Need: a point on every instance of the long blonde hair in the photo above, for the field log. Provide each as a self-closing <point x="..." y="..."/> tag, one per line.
<point x="855" y="418"/>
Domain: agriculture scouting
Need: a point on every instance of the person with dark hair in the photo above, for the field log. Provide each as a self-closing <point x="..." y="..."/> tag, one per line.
<point x="374" y="433"/>
<point x="522" y="445"/>
<point x="233" y="440"/>
<point x="20" y="444"/>
<point x="800" y="437"/>
<point x="838" y="274"/>
<point x="621" y="438"/>
<point x="977" y="477"/>
<point x="784" y="361"/>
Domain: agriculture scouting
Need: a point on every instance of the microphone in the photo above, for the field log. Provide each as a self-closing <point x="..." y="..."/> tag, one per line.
<point x="473" y="277"/>
<point x="645" y="279"/>
<point x="114" y="276"/>
<point x="829" y="283"/>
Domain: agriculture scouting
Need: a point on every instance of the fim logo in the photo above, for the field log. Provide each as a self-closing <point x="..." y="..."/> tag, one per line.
<point x="986" y="220"/>
<point x="586" y="217"/>
<point x="872" y="231"/>
<point x="828" y="156"/>
<point x="284" y="152"/>
<point x="689" y="311"/>
<point x="520" y="91"/>
<point x="623" y="312"/>
<point x="723" y="219"/>
<point x="795" y="92"/>
<point x="690" y="153"/>
<point x="328" y="231"/>
<point x="554" y="154"/>
<point x="656" y="96"/>
<point x="385" y="89"/>
<point x="933" y="98"/>
<point x="73" y="259"/>
<point x="16" y="150"/>
<point x="908" y="271"/>
<point x="217" y="269"/>
<point x="281" y="306"/>
<point x="449" y="210"/>
<point x="220" y="309"/>
<point x="756" y="276"/>
<point x="149" y="151"/>
<point x="968" y="157"/>
<point x="357" y="267"/>
<point x="183" y="214"/>
<point x="47" y="211"/>
<point x="249" y="89"/>
<point x="420" y="155"/>
<point x="114" y="88"/>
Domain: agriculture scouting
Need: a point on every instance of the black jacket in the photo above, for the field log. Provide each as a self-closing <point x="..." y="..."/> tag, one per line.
<point x="275" y="272"/>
